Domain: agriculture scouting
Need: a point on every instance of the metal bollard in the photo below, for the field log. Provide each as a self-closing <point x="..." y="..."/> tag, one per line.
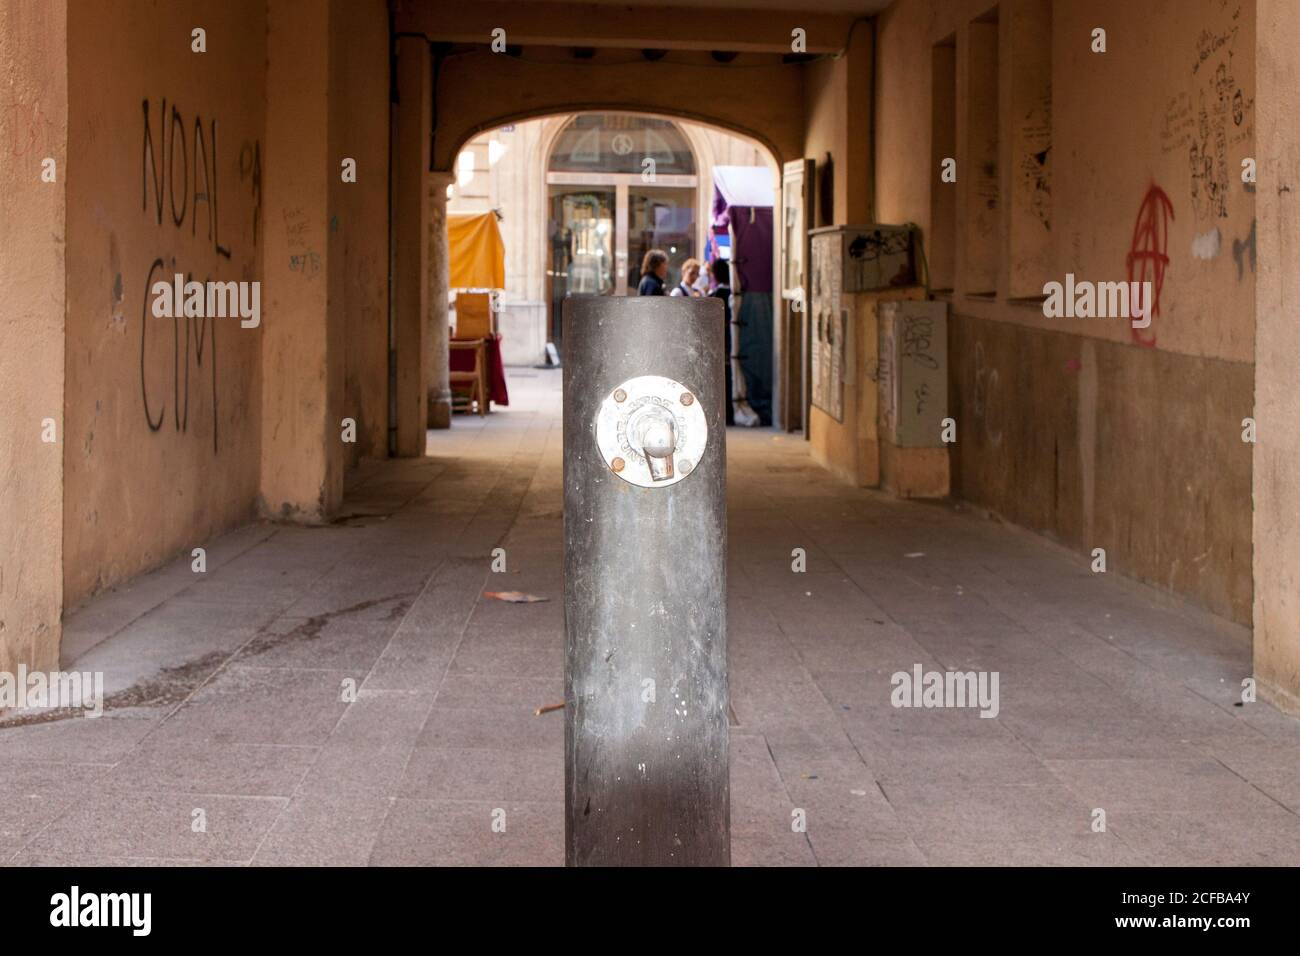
<point x="645" y="530"/>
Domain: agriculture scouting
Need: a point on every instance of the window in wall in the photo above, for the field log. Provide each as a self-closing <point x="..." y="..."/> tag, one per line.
<point x="1027" y="83"/>
<point x="941" y="251"/>
<point x="620" y="143"/>
<point x="982" y="195"/>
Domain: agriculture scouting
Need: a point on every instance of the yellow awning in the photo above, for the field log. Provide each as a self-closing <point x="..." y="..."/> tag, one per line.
<point x="478" y="256"/>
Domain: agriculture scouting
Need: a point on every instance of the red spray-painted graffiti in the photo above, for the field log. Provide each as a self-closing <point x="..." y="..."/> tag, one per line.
<point x="1148" y="254"/>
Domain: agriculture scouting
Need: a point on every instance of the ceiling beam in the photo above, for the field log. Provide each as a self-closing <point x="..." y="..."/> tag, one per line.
<point x="549" y="23"/>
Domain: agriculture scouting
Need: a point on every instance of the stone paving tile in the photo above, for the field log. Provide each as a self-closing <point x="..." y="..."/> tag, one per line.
<point x="989" y="814"/>
<point x="1267" y="837"/>
<point x="369" y="749"/>
<point x="1166" y="785"/>
<point x="1094" y="849"/>
<point x="260" y="705"/>
<point x="447" y="833"/>
<point x="499" y="775"/>
<point x="747" y="851"/>
<point x="181" y="764"/>
<point x="35" y="793"/>
<point x="324" y="830"/>
<point x="160" y="826"/>
<point x="1272" y="767"/>
<point x="487" y="690"/>
<point x="492" y="728"/>
<point x="327" y="643"/>
<point x="83" y="740"/>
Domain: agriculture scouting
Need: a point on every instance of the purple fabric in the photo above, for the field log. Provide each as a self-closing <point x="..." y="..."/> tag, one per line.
<point x="751" y="253"/>
<point x="720" y="217"/>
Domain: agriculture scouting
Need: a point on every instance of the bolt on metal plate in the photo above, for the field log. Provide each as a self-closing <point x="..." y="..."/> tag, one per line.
<point x="651" y="431"/>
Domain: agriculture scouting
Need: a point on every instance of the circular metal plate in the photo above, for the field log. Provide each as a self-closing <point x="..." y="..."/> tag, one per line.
<point x="627" y="406"/>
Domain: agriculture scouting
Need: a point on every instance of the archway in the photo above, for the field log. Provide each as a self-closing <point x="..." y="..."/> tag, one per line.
<point x="581" y="196"/>
<point x="617" y="185"/>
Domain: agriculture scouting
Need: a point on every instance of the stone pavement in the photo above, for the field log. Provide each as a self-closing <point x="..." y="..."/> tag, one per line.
<point x="226" y="704"/>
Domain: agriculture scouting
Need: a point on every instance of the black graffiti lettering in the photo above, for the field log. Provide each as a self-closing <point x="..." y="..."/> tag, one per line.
<point x="149" y="164"/>
<point x="200" y="334"/>
<point x="171" y="167"/>
<point x="207" y="196"/>
<point x="144" y="334"/>
<point x="216" y="220"/>
<point x="160" y="165"/>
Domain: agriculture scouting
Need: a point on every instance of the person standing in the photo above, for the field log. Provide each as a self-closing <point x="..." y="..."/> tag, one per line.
<point x="690" y="275"/>
<point x="654" y="273"/>
<point x="720" y="269"/>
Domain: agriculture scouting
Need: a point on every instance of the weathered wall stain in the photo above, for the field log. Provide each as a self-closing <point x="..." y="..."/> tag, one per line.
<point x="1243" y="247"/>
<point x="30" y="129"/>
<point x="1077" y="461"/>
<point x="250" y="171"/>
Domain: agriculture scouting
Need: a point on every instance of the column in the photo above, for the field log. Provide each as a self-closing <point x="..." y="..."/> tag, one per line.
<point x="33" y="213"/>
<point x="412" y="115"/>
<point x="439" y="317"/>
<point x="302" y="441"/>
<point x="1277" y="340"/>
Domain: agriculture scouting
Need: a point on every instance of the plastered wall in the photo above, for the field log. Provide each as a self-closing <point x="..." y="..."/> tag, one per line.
<point x="33" y="129"/>
<point x="164" y="144"/>
<point x="1087" y="429"/>
<point x="1277" y="400"/>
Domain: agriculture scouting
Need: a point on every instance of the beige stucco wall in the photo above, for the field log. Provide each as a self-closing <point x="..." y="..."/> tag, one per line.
<point x="358" y="221"/>
<point x="1277" y="400"/>
<point x="33" y="127"/>
<point x="1136" y="94"/>
<point x="1070" y="426"/>
<point x="838" y="116"/>
<point x="142" y="485"/>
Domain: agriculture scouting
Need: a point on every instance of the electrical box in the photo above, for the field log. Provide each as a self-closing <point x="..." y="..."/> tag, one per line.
<point x="868" y="258"/>
<point x="913" y="372"/>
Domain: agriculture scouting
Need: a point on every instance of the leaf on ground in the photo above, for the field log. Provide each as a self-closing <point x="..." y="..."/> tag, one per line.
<point x="514" y="597"/>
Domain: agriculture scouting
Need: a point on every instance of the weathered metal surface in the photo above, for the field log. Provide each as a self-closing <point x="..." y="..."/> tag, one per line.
<point x="644" y="596"/>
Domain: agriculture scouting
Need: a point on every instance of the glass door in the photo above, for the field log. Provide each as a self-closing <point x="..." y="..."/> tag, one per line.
<point x="582" y="247"/>
<point x="659" y="217"/>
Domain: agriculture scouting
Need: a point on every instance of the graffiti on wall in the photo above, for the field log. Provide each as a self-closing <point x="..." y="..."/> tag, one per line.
<point x="200" y="336"/>
<point x="29" y="128"/>
<point x="1210" y="118"/>
<point x="1148" y="254"/>
<point x="179" y="181"/>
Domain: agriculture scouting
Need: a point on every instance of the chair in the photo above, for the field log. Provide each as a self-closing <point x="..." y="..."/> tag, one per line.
<point x="477" y="379"/>
<point x="474" y="315"/>
<point x="474" y="326"/>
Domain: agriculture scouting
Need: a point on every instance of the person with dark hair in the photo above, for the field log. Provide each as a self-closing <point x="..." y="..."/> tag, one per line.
<point x="720" y="270"/>
<point x="654" y="273"/>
